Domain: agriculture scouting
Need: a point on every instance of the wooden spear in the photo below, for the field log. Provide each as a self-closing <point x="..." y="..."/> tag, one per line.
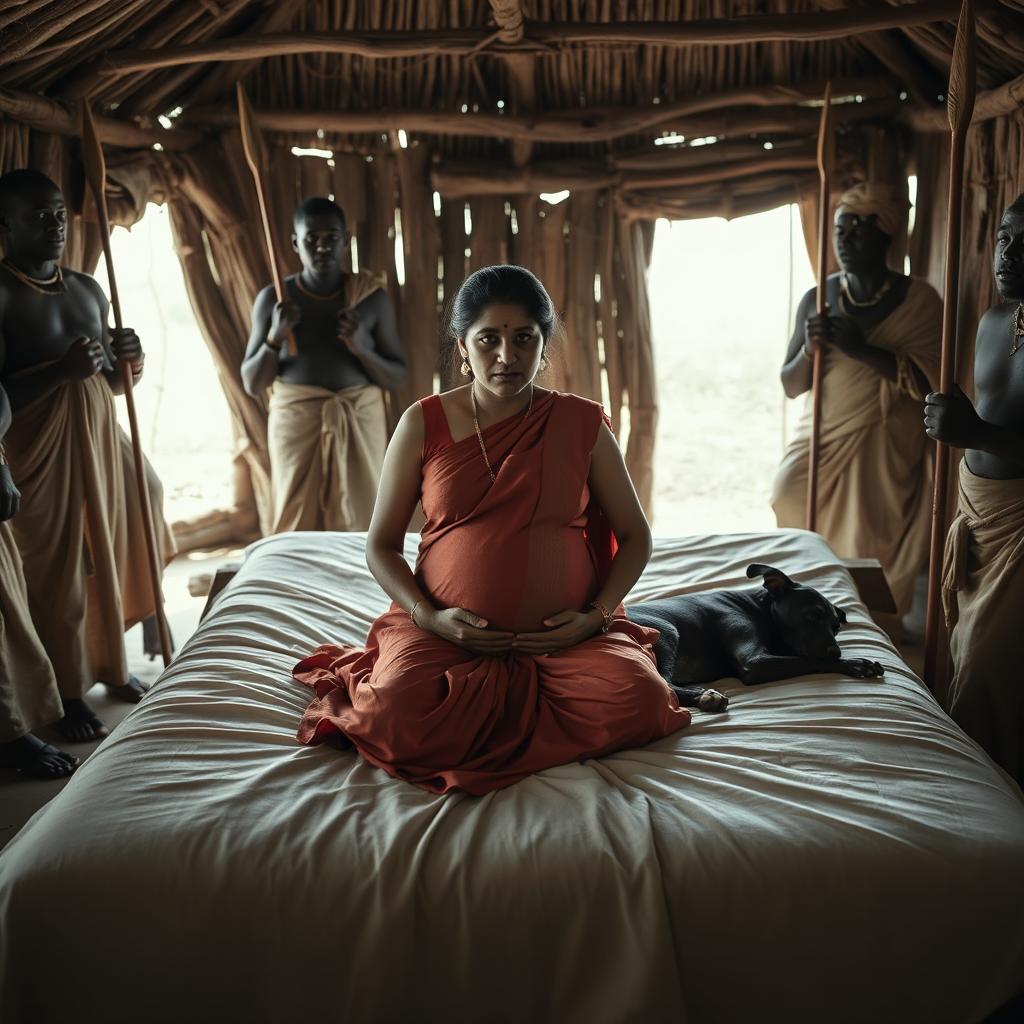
<point x="959" y="110"/>
<point x="824" y="238"/>
<point x="96" y="176"/>
<point x="255" y="157"/>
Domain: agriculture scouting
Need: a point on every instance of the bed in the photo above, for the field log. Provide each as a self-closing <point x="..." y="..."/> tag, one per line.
<point x="829" y="850"/>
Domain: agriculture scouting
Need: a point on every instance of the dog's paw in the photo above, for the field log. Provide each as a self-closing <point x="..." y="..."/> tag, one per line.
<point x="861" y="668"/>
<point x="712" y="700"/>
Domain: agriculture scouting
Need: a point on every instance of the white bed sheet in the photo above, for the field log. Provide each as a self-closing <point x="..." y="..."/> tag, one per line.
<point x="829" y="850"/>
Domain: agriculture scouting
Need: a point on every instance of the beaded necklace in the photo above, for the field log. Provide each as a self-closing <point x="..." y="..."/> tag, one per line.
<point x="479" y="434"/>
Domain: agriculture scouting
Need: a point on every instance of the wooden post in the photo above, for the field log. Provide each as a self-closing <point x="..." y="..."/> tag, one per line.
<point x="255" y="157"/>
<point x="824" y="237"/>
<point x="96" y="175"/>
<point x="959" y="109"/>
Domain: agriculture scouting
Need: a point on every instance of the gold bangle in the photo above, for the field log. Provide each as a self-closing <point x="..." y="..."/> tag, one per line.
<point x="3" y="455"/>
<point x="605" y="614"/>
<point x="412" y="614"/>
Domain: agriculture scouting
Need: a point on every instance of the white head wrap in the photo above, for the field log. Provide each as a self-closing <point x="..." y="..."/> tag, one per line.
<point x="874" y="197"/>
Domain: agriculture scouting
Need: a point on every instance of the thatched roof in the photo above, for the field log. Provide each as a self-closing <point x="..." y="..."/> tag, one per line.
<point x="571" y="77"/>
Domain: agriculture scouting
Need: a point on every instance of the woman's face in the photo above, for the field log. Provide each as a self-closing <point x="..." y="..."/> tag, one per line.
<point x="504" y="347"/>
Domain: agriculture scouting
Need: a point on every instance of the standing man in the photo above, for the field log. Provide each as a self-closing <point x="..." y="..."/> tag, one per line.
<point x="327" y="430"/>
<point x="880" y="341"/>
<point x="983" y="574"/>
<point x="28" y="689"/>
<point x="60" y="365"/>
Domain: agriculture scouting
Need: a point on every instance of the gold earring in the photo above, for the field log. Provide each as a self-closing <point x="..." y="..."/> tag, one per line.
<point x="464" y="369"/>
<point x="544" y="363"/>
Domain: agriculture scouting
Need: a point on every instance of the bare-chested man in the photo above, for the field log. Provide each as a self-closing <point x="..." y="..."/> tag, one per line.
<point x="327" y="430"/>
<point x="60" y="365"/>
<point x="880" y="342"/>
<point x="28" y="689"/>
<point x="983" y="575"/>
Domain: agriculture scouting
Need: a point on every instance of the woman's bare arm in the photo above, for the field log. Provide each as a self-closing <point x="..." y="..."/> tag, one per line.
<point x="612" y="487"/>
<point x="397" y="495"/>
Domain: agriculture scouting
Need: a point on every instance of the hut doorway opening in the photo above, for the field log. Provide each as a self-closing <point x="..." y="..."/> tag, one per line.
<point x="723" y="295"/>
<point x="183" y="416"/>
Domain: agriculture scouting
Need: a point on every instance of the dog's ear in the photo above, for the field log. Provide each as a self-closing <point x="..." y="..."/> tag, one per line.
<point x="775" y="580"/>
<point x="841" y="615"/>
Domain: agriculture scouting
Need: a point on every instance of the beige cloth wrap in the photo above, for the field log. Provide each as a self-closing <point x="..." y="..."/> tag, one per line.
<point x="875" y="472"/>
<point x="28" y="689"/>
<point x="83" y="558"/>
<point x="327" y="447"/>
<point x="983" y="597"/>
<point x="874" y="197"/>
<point x="326" y="451"/>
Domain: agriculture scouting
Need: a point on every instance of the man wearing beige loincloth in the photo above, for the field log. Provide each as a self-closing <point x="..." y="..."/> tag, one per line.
<point x="983" y="574"/>
<point x="28" y="690"/>
<point x="327" y="430"/>
<point x="84" y="559"/>
<point x="880" y="341"/>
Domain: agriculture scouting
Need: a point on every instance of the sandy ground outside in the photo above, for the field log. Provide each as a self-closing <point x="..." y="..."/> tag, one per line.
<point x="722" y="301"/>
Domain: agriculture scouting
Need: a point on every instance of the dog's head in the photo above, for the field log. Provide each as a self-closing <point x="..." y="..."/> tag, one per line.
<point x="806" y="621"/>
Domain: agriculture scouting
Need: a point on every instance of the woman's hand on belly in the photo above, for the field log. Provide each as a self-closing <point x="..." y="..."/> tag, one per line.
<point x="566" y="629"/>
<point x="466" y="630"/>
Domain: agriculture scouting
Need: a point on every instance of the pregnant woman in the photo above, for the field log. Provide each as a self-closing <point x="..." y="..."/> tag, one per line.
<point x="507" y="651"/>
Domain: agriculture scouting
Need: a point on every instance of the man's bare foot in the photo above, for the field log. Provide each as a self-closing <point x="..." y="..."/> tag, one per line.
<point x="30" y="756"/>
<point x="80" y="724"/>
<point x="151" y="638"/>
<point x="131" y="692"/>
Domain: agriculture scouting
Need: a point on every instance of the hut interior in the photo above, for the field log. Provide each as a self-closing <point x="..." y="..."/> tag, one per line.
<point x="429" y="108"/>
<point x="439" y="124"/>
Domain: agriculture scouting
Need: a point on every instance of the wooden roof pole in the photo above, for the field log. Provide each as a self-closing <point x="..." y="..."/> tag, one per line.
<point x="769" y="108"/>
<point x="508" y="15"/>
<point x="50" y="115"/>
<point x="959" y="107"/>
<point x="96" y="176"/>
<point x="542" y="36"/>
<point x="825" y="154"/>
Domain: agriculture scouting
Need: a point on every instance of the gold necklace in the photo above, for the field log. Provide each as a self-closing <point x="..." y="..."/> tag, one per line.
<point x="844" y="288"/>
<point x="479" y="434"/>
<point x="43" y="287"/>
<point x="313" y="295"/>
<point x="1017" y="326"/>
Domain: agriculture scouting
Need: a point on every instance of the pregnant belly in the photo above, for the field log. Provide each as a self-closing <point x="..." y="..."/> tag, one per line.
<point x="515" y="582"/>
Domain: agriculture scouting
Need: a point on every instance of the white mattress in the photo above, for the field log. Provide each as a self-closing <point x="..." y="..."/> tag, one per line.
<point x="828" y="851"/>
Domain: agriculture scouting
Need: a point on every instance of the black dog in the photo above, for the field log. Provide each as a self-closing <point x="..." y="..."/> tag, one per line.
<point x="756" y="636"/>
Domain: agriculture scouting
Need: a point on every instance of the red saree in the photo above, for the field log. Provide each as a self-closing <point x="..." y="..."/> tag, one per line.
<point x="515" y="552"/>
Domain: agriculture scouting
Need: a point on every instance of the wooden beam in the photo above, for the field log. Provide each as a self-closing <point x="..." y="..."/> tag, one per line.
<point x="482" y="178"/>
<point x="734" y="112"/>
<point x="659" y="158"/>
<point x="52" y="116"/>
<point x="755" y="28"/>
<point x="521" y="70"/>
<point x="541" y="37"/>
<point x="1005" y="99"/>
<point x="485" y="179"/>
<point x="635" y="208"/>
<point x="639" y="180"/>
